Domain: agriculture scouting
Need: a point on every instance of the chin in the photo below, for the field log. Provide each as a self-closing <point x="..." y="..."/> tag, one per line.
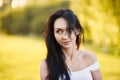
<point x="66" y="47"/>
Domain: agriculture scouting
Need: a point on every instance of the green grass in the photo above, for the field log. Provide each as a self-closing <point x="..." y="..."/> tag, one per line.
<point x="20" y="59"/>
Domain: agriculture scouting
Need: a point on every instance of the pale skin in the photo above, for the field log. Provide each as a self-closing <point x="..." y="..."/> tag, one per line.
<point x="76" y="60"/>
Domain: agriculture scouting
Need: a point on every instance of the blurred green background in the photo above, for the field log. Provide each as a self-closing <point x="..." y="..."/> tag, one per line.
<point x="22" y="24"/>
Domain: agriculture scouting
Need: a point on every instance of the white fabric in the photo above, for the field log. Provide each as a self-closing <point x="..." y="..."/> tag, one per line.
<point x="84" y="74"/>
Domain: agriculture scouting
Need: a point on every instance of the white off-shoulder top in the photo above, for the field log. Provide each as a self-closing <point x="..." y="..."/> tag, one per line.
<point x="84" y="74"/>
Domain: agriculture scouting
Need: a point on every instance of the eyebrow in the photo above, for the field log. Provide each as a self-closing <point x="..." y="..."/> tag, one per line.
<point x="59" y="28"/>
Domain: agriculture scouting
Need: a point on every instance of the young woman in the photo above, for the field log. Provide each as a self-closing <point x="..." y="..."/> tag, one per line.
<point x="64" y="60"/>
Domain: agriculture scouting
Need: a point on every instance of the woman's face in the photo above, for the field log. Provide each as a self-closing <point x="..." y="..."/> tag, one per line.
<point x="61" y="34"/>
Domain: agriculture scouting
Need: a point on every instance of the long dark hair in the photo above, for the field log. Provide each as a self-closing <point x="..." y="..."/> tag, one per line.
<point x="55" y="59"/>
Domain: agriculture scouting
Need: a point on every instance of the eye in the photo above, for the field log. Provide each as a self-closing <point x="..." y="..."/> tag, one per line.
<point x="70" y="30"/>
<point x="59" y="31"/>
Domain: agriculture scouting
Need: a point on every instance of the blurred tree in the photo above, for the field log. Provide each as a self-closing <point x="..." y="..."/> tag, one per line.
<point x="100" y="18"/>
<point x="30" y="19"/>
<point x="6" y="3"/>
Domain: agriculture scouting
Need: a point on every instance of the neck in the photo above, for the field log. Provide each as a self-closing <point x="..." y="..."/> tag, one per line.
<point x="69" y="53"/>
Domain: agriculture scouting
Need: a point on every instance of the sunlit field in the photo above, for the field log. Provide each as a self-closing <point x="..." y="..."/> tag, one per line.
<point x="20" y="59"/>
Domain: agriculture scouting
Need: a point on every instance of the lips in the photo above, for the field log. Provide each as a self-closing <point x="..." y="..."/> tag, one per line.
<point x="66" y="43"/>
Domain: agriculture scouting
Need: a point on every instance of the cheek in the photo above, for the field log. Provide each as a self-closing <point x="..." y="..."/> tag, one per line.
<point x="73" y="36"/>
<point x="57" y="38"/>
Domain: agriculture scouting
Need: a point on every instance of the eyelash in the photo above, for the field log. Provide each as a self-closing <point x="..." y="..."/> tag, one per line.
<point x="59" y="31"/>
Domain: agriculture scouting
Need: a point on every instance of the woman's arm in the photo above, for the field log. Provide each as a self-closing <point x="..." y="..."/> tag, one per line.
<point x="96" y="75"/>
<point x="43" y="70"/>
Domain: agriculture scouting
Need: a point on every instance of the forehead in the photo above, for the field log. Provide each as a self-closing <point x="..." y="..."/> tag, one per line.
<point x="60" y="23"/>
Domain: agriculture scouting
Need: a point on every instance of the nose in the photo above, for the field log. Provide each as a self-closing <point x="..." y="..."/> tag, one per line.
<point x="65" y="35"/>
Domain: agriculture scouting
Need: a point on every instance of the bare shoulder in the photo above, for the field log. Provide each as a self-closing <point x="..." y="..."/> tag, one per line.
<point x="89" y="57"/>
<point x="43" y="70"/>
<point x="43" y="63"/>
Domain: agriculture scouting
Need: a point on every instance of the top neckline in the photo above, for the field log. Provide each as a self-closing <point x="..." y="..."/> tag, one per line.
<point x="84" y="69"/>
